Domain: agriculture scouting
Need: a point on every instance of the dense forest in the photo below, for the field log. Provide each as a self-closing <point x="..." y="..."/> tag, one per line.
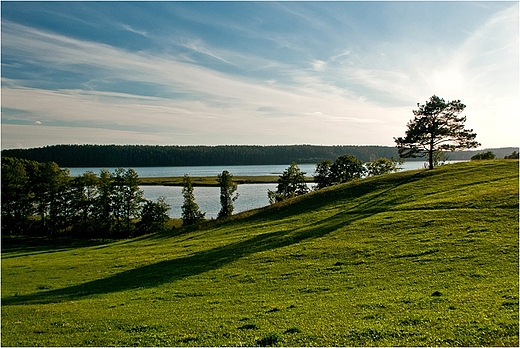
<point x="158" y="156"/>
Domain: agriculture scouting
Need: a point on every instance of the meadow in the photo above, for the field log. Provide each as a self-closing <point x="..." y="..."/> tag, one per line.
<point x="416" y="258"/>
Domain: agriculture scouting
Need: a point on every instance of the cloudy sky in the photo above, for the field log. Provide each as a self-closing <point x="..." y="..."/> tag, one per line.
<point x="208" y="73"/>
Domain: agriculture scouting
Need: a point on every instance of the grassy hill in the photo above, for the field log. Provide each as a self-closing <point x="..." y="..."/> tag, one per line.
<point x="419" y="258"/>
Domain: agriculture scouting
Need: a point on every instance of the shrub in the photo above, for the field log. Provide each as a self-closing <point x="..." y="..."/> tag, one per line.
<point x="484" y="156"/>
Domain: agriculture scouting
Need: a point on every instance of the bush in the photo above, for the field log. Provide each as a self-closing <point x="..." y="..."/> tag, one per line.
<point x="381" y="166"/>
<point x="483" y="156"/>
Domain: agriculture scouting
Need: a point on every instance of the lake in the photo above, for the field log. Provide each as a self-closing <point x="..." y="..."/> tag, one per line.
<point x="251" y="196"/>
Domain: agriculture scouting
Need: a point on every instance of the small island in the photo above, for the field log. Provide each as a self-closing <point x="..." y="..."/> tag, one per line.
<point x="212" y="180"/>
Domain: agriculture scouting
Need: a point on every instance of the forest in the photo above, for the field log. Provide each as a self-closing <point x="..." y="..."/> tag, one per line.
<point x="158" y="156"/>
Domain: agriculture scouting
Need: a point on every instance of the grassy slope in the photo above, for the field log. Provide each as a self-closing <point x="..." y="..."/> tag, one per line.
<point x="413" y="258"/>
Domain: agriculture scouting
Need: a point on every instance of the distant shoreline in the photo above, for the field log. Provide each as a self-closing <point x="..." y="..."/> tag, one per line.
<point x="211" y="181"/>
<point x="131" y="156"/>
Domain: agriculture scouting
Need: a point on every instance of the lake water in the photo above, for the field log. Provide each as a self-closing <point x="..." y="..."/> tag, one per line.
<point x="251" y="196"/>
<point x="153" y="172"/>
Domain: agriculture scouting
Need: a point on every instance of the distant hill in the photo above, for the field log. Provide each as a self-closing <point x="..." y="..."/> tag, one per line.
<point x="159" y="156"/>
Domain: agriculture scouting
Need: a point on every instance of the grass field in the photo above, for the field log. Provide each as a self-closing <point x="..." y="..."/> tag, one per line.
<point x="418" y="258"/>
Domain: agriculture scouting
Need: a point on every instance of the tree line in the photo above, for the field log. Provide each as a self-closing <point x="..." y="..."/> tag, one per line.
<point x="41" y="199"/>
<point x="345" y="168"/>
<point x="114" y="156"/>
<point x="291" y="183"/>
<point x="127" y="156"/>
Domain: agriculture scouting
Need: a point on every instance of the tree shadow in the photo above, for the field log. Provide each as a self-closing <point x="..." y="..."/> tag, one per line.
<point x="176" y="269"/>
<point x="13" y="247"/>
<point x="170" y="271"/>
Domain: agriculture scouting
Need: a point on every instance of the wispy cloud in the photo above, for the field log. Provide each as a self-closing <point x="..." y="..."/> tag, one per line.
<point x="195" y="90"/>
<point x="133" y="30"/>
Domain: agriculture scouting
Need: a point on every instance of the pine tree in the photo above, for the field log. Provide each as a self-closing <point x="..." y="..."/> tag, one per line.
<point x="436" y="127"/>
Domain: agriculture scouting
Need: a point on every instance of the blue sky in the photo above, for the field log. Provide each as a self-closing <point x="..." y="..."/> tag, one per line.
<point x="209" y="73"/>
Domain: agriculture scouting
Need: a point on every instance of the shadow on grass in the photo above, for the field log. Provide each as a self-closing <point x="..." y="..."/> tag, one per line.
<point x="23" y="246"/>
<point x="173" y="270"/>
<point x="176" y="269"/>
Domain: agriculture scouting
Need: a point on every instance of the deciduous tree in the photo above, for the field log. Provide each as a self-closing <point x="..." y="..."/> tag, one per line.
<point x="227" y="197"/>
<point x="322" y="174"/>
<point x="154" y="215"/>
<point x="104" y="206"/>
<point x="290" y="184"/>
<point x="84" y="193"/>
<point x="191" y="213"/>
<point x="17" y="204"/>
<point x="381" y="166"/>
<point x="346" y="168"/>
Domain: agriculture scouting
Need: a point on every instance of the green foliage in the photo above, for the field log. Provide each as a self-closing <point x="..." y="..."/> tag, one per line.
<point x="347" y="168"/>
<point x="191" y="213"/>
<point x="356" y="264"/>
<point x="40" y="198"/>
<point x="154" y="216"/>
<point x="47" y="182"/>
<point x="16" y="197"/>
<point x="323" y="175"/>
<point x="227" y="197"/>
<point x="152" y="156"/>
<point x="290" y="184"/>
<point x="126" y="198"/>
<point x="436" y="126"/>
<point x="381" y="166"/>
<point x="483" y="156"/>
<point x="104" y="206"/>
<point x="84" y="191"/>
<point x="514" y="155"/>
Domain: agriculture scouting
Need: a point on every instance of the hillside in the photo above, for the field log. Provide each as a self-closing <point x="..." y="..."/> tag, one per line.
<point x="418" y="258"/>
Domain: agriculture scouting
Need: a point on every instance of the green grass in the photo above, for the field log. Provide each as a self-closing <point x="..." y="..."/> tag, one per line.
<point x="418" y="258"/>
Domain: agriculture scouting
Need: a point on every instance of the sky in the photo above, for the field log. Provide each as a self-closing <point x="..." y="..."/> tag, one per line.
<point x="255" y="73"/>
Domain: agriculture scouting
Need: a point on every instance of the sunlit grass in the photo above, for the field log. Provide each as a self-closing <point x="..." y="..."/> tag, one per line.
<point x="423" y="258"/>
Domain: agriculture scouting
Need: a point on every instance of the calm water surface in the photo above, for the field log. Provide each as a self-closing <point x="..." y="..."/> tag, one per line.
<point x="251" y="196"/>
<point x="154" y="172"/>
